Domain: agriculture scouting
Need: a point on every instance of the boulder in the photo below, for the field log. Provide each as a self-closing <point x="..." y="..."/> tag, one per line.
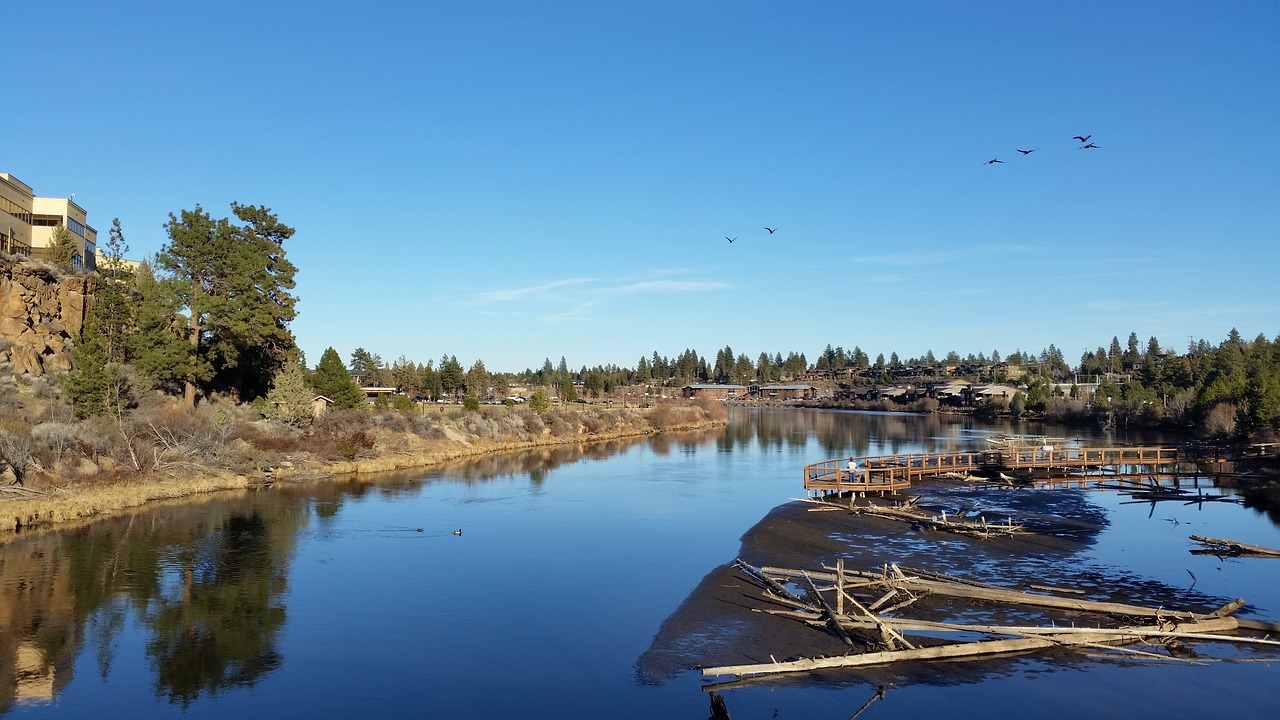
<point x="25" y="360"/>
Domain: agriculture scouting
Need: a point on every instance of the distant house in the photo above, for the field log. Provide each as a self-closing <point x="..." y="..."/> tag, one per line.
<point x="373" y="393"/>
<point x="956" y="392"/>
<point x="786" y="392"/>
<point x="320" y="405"/>
<point x="999" y="392"/>
<point x="713" y="390"/>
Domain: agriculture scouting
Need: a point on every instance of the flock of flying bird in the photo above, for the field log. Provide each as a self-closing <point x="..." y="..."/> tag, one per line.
<point x="1084" y="145"/>
<point x="735" y="237"/>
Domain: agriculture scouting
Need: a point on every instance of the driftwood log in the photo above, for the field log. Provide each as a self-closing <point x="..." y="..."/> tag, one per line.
<point x="887" y="635"/>
<point x="1216" y="546"/>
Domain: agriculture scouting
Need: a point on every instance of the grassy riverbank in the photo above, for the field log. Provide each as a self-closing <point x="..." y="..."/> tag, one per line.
<point x="186" y="460"/>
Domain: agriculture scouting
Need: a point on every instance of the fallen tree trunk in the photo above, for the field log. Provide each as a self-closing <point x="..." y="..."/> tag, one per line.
<point x="1231" y="547"/>
<point x="1015" y="597"/>
<point x="965" y="650"/>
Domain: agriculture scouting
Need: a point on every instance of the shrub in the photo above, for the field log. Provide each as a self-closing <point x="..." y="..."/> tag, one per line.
<point x="561" y="423"/>
<point x="532" y="422"/>
<point x="354" y="444"/>
<point x="666" y="415"/>
<point x="594" y="424"/>
<point x="712" y="409"/>
<point x="1220" y="421"/>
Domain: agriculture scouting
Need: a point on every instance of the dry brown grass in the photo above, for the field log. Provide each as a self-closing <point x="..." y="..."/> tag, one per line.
<point x="58" y="506"/>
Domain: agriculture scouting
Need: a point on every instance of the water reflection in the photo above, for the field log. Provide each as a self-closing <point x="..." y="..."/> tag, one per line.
<point x="207" y="589"/>
<point x="203" y="578"/>
<point x="844" y="433"/>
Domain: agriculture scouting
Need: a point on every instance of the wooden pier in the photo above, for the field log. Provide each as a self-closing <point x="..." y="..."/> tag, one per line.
<point x="1052" y="467"/>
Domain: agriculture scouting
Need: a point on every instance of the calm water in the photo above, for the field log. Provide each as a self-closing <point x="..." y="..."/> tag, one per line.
<point x="327" y="600"/>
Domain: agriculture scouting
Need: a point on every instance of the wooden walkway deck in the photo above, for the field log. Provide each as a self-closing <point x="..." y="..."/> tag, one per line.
<point x="1058" y="466"/>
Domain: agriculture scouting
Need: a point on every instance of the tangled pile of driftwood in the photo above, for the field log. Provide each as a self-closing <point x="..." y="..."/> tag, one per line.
<point x="863" y="609"/>
<point x="909" y="512"/>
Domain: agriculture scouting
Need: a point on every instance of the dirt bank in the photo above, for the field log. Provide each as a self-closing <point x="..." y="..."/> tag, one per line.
<point x="57" y="503"/>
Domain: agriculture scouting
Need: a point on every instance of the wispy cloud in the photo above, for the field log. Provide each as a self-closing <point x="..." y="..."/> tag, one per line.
<point x="573" y="298"/>
<point x="926" y="257"/>
<point x="520" y="293"/>
<point x="665" y="286"/>
<point x="886" y="279"/>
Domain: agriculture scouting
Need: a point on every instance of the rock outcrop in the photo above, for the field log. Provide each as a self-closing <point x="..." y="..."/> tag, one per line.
<point x="41" y="314"/>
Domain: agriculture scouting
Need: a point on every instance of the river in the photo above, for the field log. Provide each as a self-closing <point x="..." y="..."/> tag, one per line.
<point x="529" y="585"/>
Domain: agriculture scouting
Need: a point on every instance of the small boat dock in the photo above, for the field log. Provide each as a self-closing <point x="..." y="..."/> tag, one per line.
<point x="1045" y="465"/>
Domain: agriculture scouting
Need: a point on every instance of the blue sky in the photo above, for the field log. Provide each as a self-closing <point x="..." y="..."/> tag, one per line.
<point x="514" y="181"/>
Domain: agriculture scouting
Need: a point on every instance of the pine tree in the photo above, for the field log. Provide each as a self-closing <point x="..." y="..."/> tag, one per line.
<point x="115" y="301"/>
<point x="290" y="400"/>
<point x="452" y="378"/>
<point x="158" y="348"/>
<point x="332" y="380"/>
<point x="234" y="281"/>
<point x="91" y="379"/>
<point x="477" y="380"/>
<point x="538" y="401"/>
<point x="63" y="247"/>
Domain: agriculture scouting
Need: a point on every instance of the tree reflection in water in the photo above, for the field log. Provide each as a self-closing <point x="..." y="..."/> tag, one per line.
<point x="204" y="584"/>
<point x="218" y="628"/>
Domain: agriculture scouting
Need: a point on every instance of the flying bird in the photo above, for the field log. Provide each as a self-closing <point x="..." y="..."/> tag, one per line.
<point x="1027" y="152"/>
<point x="1082" y="138"/>
<point x="770" y="229"/>
<point x="730" y="239"/>
<point x="993" y="161"/>
<point x="1086" y="147"/>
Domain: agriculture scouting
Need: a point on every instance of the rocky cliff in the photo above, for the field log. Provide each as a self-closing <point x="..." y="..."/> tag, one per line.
<point x="41" y="313"/>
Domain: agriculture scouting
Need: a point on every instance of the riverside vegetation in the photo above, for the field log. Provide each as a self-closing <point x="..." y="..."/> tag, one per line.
<point x="74" y="470"/>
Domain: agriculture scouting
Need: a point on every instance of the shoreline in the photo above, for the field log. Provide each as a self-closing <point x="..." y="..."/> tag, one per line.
<point x="60" y="508"/>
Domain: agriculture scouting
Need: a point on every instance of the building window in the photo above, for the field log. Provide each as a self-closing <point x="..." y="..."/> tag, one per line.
<point x="75" y="226"/>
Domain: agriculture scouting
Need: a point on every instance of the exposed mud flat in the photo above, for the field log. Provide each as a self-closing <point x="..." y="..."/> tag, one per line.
<point x="716" y="624"/>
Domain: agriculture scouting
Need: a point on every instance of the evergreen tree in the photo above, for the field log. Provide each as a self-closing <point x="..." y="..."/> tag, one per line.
<point x="93" y="379"/>
<point x="565" y="391"/>
<point x="477" y="380"/>
<point x="158" y="348"/>
<point x="290" y="400"/>
<point x="643" y="371"/>
<point x="115" y="300"/>
<point x="332" y="380"/>
<point x="431" y="385"/>
<point x="1131" y="354"/>
<point x="234" y="282"/>
<point x="452" y="378"/>
<point x="362" y="361"/>
<point x="1115" y="356"/>
<point x="742" y="370"/>
<point x="538" y="401"/>
<point x="594" y="384"/>
<point x="63" y="247"/>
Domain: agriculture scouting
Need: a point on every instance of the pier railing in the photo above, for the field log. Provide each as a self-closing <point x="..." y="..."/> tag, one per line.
<point x="887" y="473"/>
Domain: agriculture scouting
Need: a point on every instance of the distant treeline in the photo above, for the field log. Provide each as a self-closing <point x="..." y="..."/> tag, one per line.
<point x="1232" y="388"/>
